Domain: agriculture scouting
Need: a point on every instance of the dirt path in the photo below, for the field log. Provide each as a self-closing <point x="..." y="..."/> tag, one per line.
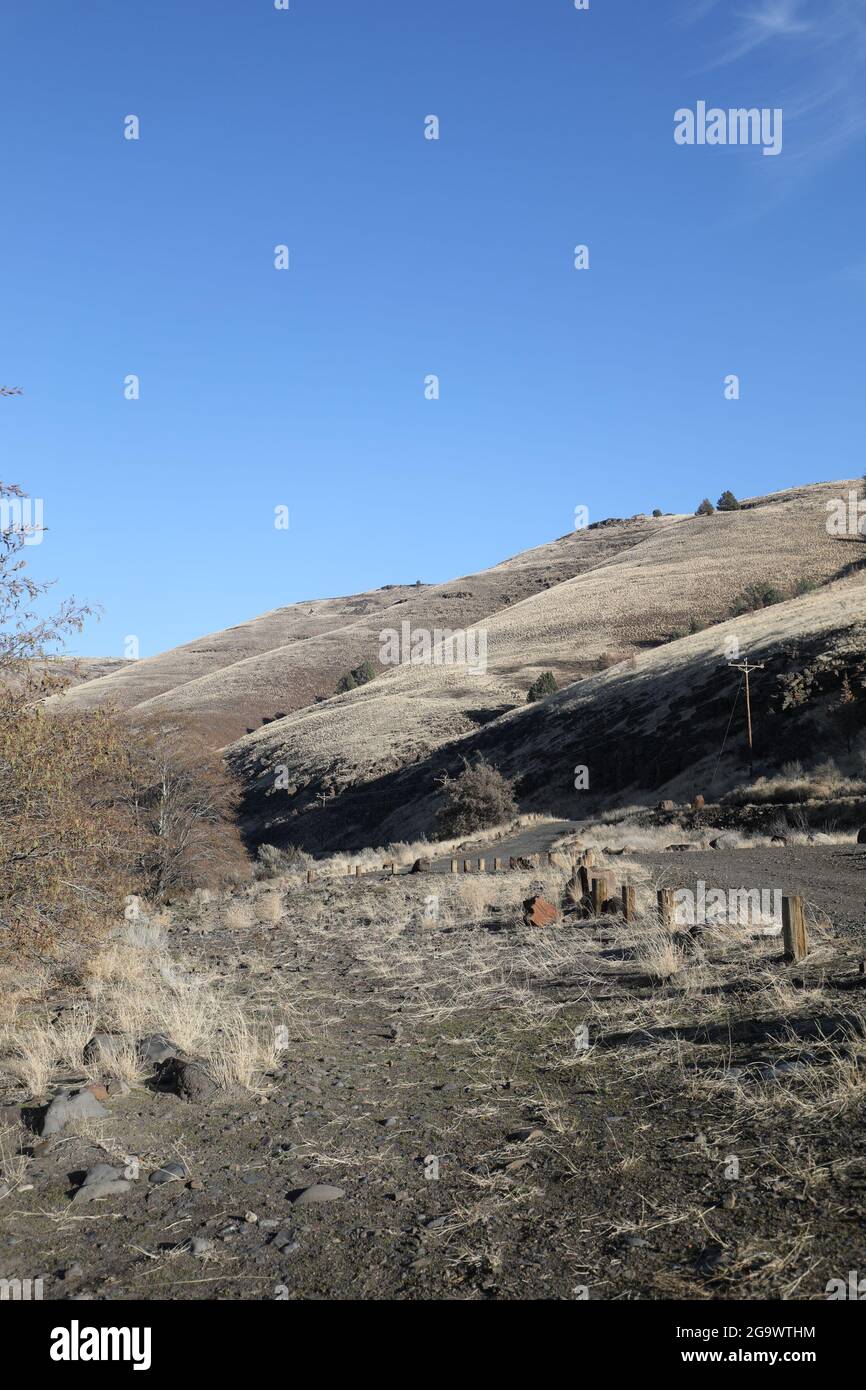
<point x="532" y="839"/>
<point x="485" y="1145"/>
<point x="831" y="878"/>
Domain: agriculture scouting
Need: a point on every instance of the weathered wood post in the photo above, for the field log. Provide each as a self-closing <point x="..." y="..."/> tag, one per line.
<point x="599" y="895"/>
<point x="348" y="868"/>
<point x="357" y="870"/>
<point x="482" y="865"/>
<point x="794" y="929"/>
<point x="467" y="866"/>
<point x="629" y="902"/>
<point x="583" y="877"/>
<point x="310" y="875"/>
<point x="497" y="865"/>
<point x="455" y="866"/>
<point x="665" y="899"/>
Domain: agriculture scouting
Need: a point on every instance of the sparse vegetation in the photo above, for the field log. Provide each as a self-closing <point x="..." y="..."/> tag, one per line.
<point x="272" y="862"/>
<point x="705" y="508"/>
<point x="360" y="675"/>
<point x="757" y="596"/>
<point x="476" y="800"/>
<point x="728" y="502"/>
<point x="541" y="687"/>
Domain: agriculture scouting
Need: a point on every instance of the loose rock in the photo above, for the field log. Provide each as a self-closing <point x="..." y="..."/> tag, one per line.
<point x="319" y="1192"/>
<point x="538" y="912"/>
<point x="71" y="1105"/>
<point x="186" y="1079"/>
<point x="169" y="1172"/>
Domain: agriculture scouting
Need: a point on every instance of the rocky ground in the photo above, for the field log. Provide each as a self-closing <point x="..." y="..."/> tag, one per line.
<point x="441" y="1102"/>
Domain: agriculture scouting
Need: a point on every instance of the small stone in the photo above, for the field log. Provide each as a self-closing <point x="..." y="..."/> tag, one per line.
<point x="200" y="1246"/>
<point x="318" y="1192"/>
<point x="195" y="1185"/>
<point x="104" y="1047"/>
<point x="102" y="1181"/>
<point x="116" y="1086"/>
<point x="156" y="1048"/>
<point x="186" y="1078"/>
<point x="71" y="1105"/>
<point x="538" y="912"/>
<point x="74" y="1271"/>
<point x="169" y="1172"/>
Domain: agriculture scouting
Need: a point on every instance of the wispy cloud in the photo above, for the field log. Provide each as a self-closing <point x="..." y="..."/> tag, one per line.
<point x="815" y="59"/>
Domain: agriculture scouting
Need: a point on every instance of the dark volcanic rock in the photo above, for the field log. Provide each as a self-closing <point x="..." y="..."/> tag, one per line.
<point x="186" y="1078"/>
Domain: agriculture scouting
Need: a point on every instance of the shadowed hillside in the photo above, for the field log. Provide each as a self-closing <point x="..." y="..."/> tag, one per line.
<point x="628" y="613"/>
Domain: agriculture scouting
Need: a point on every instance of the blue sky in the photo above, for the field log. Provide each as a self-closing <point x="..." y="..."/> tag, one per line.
<point x="305" y="388"/>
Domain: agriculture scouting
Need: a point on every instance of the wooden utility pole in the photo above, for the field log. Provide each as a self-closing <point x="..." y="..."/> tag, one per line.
<point x="747" y="667"/>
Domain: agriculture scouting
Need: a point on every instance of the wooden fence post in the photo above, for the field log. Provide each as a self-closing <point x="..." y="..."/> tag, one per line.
<point x="467" y="866"/>
<point x="357" y="870"/>
<point x="497" y="865"/>
<point x="455" y="866"/>
<point x="665" y="898"/>
<point x="599" y="895"/>
<point x="310" y="875"/>
<point x="482" y="865"/>
<point x="794" y="929"/>
<point x="583" y="875"/>
<point x="629" y="902"/>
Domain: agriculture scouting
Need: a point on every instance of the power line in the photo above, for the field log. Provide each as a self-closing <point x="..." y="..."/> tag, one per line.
<point x="727" y="730"/>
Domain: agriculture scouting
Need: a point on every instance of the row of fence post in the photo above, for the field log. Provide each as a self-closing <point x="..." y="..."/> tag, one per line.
<point x="597" y="890"/>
